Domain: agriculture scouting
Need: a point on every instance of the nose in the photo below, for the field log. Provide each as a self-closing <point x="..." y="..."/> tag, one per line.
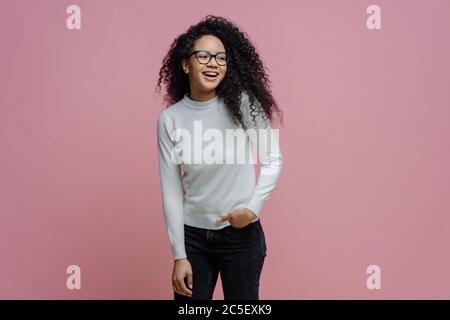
<point x="214" y="63"/>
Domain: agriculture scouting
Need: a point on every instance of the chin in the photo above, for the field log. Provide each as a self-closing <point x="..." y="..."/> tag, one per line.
<point x="209" y="87"/>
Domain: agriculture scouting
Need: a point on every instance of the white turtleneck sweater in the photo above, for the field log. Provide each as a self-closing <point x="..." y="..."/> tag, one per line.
<point x="196" y="190"/>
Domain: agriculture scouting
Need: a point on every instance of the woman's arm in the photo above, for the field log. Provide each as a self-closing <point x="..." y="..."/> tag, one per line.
<point x="266" y="140"/>
<point x="171" y="189"/>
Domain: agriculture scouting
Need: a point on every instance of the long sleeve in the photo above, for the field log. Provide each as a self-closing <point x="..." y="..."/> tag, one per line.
<point x="266" y="141"/>
<point x="171" y="189"/>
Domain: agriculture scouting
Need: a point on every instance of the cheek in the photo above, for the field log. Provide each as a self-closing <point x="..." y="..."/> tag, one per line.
<point x="197" y="74"/>
<point x="197" y="68"/>
<point x="224" y="73"/>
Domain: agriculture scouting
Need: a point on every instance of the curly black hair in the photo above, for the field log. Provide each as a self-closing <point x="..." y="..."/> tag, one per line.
<point x="245" y="71"/>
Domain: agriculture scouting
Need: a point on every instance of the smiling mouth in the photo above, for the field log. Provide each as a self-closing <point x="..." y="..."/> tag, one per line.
<point x="210" y="75"/>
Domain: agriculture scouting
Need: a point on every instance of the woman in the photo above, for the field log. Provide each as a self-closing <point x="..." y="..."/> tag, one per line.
<point x="215" y="83"/>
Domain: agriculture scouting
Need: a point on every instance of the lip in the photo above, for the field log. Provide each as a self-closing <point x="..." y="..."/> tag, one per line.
<point x="213" y="71"/>
<point x="210" y="79"/>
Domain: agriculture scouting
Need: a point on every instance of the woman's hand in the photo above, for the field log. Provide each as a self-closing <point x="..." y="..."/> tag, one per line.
<point x="239" y="218"/>
<point x="181" y="269"/>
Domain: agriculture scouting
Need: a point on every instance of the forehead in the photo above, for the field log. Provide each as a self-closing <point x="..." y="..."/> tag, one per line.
<point x="209" y="43"/>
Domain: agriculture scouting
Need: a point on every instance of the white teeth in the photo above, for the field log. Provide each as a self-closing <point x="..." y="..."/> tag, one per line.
<point x="211" y="73"/>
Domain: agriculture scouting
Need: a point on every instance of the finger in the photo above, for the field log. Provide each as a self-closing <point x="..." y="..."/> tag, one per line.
<point x="183" y="288"/>
<point x="224" y="218"/>
<point x="175" y="286"/>
<point x="177" y="290"/>
<point x="189" y="280"/>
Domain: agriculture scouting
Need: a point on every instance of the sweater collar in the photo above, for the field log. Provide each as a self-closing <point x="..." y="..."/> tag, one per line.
<point x="200" y="105"/>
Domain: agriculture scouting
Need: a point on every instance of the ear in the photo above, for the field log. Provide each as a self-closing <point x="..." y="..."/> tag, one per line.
<point x="185" y="66"/>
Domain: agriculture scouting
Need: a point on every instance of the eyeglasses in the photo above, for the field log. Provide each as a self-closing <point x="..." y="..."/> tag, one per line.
<point x="204" y="57"/>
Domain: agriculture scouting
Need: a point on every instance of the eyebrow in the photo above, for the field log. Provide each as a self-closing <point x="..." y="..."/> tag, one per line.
<point x="210" y="51"/>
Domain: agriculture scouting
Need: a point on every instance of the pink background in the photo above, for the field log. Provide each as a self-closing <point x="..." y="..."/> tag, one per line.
<point x="366" y="147"/>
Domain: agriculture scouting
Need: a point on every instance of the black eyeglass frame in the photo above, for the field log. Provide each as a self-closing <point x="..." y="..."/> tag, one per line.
<point x="210" y="56"/>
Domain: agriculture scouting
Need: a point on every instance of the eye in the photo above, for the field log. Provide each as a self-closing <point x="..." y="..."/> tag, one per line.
<point x="203" y="55"/>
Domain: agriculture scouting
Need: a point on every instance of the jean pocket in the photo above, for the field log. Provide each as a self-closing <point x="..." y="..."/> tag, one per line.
<point x="250" y="228"/>
<point x="241" y="234"/>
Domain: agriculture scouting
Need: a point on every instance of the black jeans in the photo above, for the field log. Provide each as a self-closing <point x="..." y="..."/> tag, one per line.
<point x="238" y="254"/>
